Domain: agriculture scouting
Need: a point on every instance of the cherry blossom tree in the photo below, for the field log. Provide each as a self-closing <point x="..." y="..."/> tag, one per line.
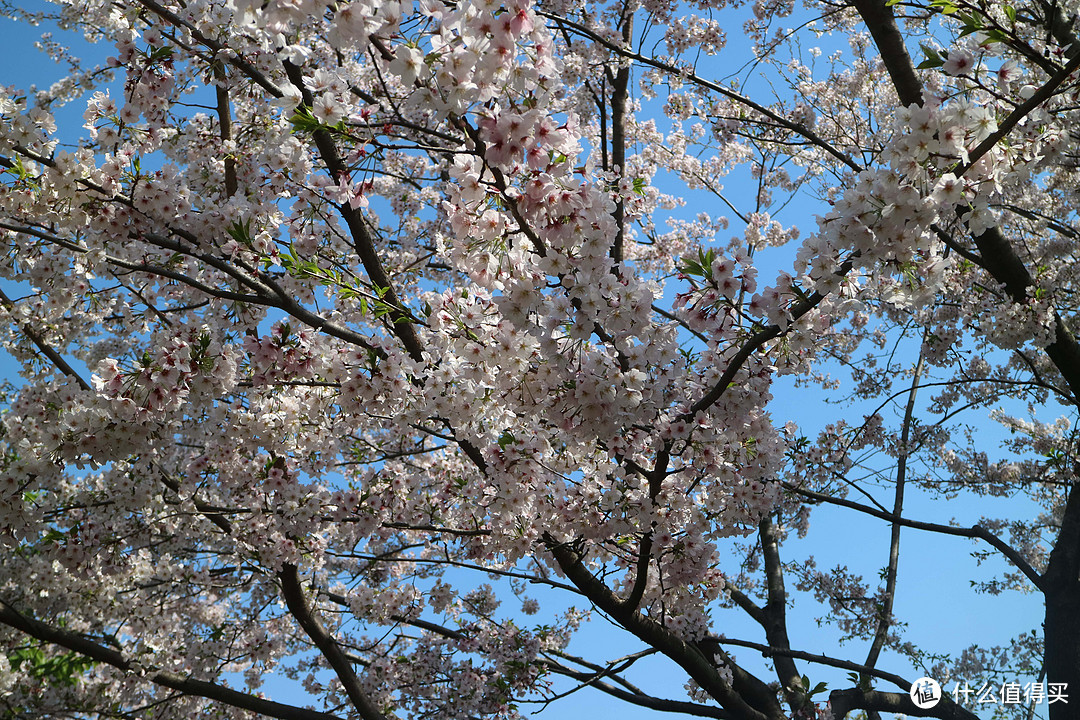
<point x="345" y="324"/>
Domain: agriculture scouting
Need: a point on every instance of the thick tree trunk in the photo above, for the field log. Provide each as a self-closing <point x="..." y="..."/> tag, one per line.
<point x="1063" y="650"/>
<point x="1061" y="588"/>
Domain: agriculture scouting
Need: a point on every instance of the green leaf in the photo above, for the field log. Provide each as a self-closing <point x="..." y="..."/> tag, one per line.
<point x="161" y="53"/>
<point x="701" y="266"/>
<point x="60" y="670"/>
<point x="53" y="535"/>
<point x="241" y="233"/>
<point x="933" y="58"/>
<point x="17" y="168"/>
<point x="945" y="6"/>
<point x="972" y="22"/>
<point x="303" y="121"/>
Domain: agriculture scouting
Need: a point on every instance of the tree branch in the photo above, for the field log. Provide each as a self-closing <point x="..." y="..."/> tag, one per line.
<point x="750" y="346"/>
<point x="401" y="322"/>
<point x="688" y="656"/>
<point x="1020" y="112"/>
<point x="775" y="614"/>
<point x="297" y="602"/>
<point x="233" y="58"/>
<point x="221" y="89"/>
<point x="975" y="531"/>
<point x="619" y="87"/>
<point x="844" y="701"/>
<point x="54" y="357"/>
<point x="819" y="659"/>
<point x="881" y="22"/>
<point x="646" y="701"/>
<point x="187" y="686"/>
<point x="690" y="76"/>
<point x="885" y="613"/>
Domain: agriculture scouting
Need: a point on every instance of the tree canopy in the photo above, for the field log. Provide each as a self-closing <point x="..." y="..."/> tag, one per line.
<point x="344" y="324"/>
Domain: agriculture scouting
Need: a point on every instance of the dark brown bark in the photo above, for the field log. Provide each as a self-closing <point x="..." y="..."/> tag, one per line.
<point x="1061" y="587"/>
<point x="775" y="614"/>
<point x="187" y="686"/>
<point x="844" y="701"/>
<point x="297" y="602"/>
<point x="747" y="698"/>
<point x="401" y="322"/>
<point x="224" y="113"/>
<point x="619" y="93"/>
<point x="881" y="22"/>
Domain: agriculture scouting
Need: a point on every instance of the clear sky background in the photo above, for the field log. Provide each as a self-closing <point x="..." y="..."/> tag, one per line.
<point x="935" y="571"/>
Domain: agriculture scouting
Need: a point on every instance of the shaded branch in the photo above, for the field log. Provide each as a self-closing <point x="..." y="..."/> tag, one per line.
<point x="234" y="59"/>
<point x="297" y="602"/>
<point x="690" y="76"/>
<point x="974" y="532"/>
<point x="885" y="612"/>
<point x="646" y="701"/>
<point x="844" y="701"/>
<point x="775" y="613"/>
<point x="619" y="85"/>
<point x="759" y="338"/>
<point x="735" y="698"/>
<point x="769" y="651"/>
<point x="400" y="321"/>
<point x="86" y="647"/>
<point x="1020" y="112"/>
<point x="225" y="123"/>
<point x="54" y="357"/>
<point x="881" y="22"/>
